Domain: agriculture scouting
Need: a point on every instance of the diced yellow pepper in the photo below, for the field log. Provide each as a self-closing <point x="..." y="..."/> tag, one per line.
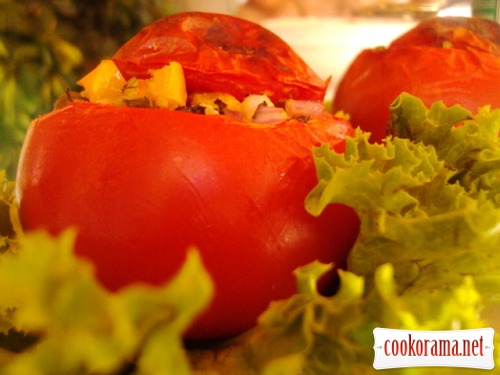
<point x="208" y="100"/>
<point x="167" y="87"/>
<point x="104" y="84"/>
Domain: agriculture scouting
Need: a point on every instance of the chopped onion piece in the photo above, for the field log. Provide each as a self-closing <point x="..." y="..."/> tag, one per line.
<point x="269" y="115"/>
<point x="304" y="107"/>
<point x="252" y="102"/>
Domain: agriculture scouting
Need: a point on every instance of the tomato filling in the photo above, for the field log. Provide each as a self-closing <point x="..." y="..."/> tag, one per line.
<point x="166" y="88"/>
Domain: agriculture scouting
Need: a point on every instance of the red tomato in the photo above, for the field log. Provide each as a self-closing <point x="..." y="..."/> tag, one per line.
<point x="456" y="60"/>
<point x="141" y="185"/>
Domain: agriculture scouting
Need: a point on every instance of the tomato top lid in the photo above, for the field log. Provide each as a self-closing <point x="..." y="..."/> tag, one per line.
<point x="221" y="53"/>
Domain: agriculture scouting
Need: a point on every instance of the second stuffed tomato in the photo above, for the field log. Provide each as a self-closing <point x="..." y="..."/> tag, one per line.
<point x="451" y="59"/>
<point x="142" y="183"/>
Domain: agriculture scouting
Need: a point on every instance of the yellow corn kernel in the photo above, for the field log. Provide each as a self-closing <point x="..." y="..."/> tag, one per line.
<point x="210" y="100"/>
<point x="103" y="84"/>
<point x="167" y="87"/>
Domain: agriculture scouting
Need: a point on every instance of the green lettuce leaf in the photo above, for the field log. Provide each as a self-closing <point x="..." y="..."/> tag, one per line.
<point x="77" y="327"/>
<point x="8" y="214"/>
<point x="471" y="150"/>
<point x="429" y="205"/>
<point x="428" y="200"/>
<point x="313" y="334"/>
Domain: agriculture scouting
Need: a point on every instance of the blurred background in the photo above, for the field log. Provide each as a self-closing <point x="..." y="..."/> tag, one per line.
<point x="46" y="45"/>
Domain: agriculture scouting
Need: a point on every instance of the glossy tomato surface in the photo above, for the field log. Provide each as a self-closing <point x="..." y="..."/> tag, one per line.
<point x="221" y="53"/>
<point x="142" y="185"/>
<point x="456" y="60"/>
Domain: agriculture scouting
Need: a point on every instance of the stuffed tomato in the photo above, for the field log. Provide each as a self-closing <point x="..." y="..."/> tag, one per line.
<point x="451" y="59"/>
<point x="184" y="139"/>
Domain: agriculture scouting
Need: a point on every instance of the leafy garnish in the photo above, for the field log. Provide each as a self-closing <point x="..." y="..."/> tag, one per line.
<point x="9" y="224"/>
<point x="82" y="328"/>
<point x="313" y="334"/>
<point x="430" y="205"/>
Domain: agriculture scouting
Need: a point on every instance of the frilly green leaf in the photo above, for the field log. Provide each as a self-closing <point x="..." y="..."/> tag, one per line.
<point x="83" y="328"/>
<point x="429" y="204"/>
<point x="314" y="334"/>
<point x="307" y="277"/>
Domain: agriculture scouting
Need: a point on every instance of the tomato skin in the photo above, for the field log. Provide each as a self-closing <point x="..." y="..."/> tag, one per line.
<point x="142" y="185"/>
<point x="221" y="53"/>
<point x="466" y="73"/>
